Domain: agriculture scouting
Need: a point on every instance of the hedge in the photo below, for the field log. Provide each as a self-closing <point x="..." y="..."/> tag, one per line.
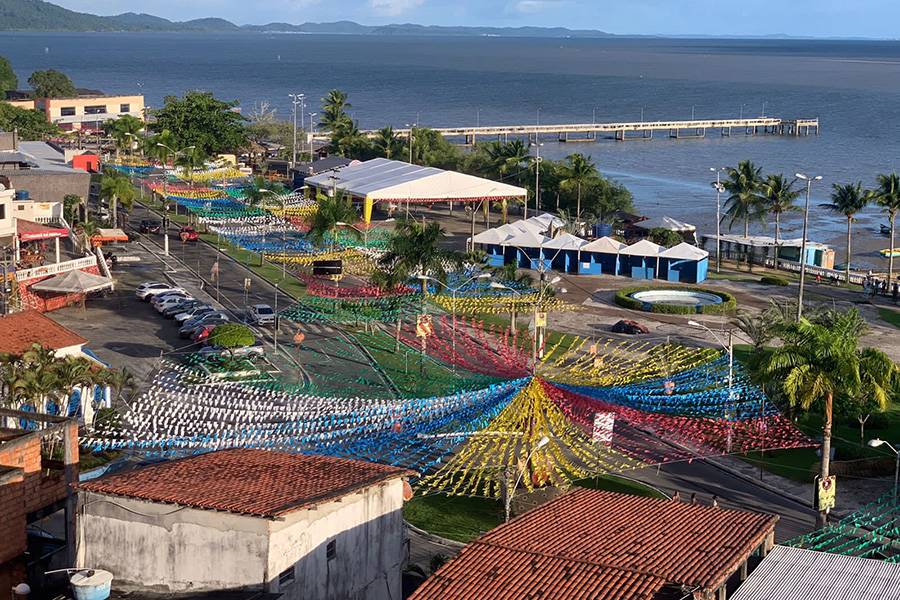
<point x="623" y="298"/>
<point x="774" y="280"/>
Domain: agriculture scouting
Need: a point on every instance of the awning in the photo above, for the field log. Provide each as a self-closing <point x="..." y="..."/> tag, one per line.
<point x="29" y="231"/>
<point x="666" y="223"/>
<point x="73" y="282"/>
<point x="110" y="235"/>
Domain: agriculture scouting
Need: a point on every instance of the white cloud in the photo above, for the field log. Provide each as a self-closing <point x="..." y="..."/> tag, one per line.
<point x="535" y="6"/>
<point x="394" y="7"/>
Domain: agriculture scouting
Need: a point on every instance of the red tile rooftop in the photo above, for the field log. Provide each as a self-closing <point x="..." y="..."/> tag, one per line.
<point x="253" y="482"/>
<point x="595" y="544"/>
<point x="19" y="331"/>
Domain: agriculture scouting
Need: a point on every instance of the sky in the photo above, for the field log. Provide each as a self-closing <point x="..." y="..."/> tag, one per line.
<point x="819" y="18"/>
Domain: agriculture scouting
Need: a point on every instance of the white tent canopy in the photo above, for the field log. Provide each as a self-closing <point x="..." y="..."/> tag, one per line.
<point x="73" y="282"/>
<point x="527" y="239"/>
<point x="642" y="248"/>
<point x="566" y="241"/>
<point x="546" y="221"/>
<point x="605" y="245"/>
<point x="685" y="251"/>
<point x="666" y="223"/>
<point x="491" y="236"/>
<point x="381" y="179"/>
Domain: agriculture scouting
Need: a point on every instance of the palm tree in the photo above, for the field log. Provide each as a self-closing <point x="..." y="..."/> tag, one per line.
<point x="578" y="171"/>
<point x="124" y="132"/>
<point x="387" y="143"/>
<point x="87" y="229"/>
<point x="848" y="200"/>
<point x="119" y="380"/>
<point x="334" y="110"/>
<point x="116" y="189"/>
<point x="157" y="146"/>
<point x="349" y="140"/>
<point x="414" y="249"/>
<point x="744" y="202"/>
<point x="188" y="159"/>
<point x="779" y="196"/>
<point x="331" y="213"/>
<point x="261" y="190"/>
<point x="887" y="195"/>
<point x="821" y="361"/>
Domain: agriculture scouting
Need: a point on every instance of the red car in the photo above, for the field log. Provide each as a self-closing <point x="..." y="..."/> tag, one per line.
<point x="188" y="234"/>
<point x="630" y="327"/>
<point x="202" y="333"/>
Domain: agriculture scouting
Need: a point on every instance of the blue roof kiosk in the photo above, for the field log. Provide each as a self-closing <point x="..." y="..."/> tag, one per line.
<point x="600" y="257"/>
<point x="684" y="263"/>
<point x="491" y="242"/>
<point x="562" y="252"/>
<point x="526" y="251"/>
<point x="640" y="260"/>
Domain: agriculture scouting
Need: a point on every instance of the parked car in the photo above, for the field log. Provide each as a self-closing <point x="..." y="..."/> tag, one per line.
<point x="188" y="234"/>
<point x="254" y="350"/>
<point x="176" y="293"/>
<point x="202" y="309"/>
<point x="213" y="318"/>
<point x="201" y="334"/>
<point x="150" y="226"/>
<point x="147" y="293"/>
<point x="261" y="314"/>
<point x="181" y="307"/>
<point x="630" y="327"/>
<point x="170" y="302"/>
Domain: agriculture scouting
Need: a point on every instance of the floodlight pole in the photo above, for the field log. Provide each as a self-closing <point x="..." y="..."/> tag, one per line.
<point x="719" y="189"/>
<point x="809" y="181"/>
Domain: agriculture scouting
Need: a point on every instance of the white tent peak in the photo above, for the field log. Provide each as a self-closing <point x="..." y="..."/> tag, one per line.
<point x="566" y="241"/>
<point x="643" y="248"/>
<point x="685" y="251"/>
<point x="605" y="245"/>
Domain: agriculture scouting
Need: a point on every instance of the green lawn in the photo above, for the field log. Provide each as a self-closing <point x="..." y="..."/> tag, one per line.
<point x="463" y="518"/>
<point x="890" y="316"/>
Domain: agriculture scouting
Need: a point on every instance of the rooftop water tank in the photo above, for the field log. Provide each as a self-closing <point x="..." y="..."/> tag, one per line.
<point x="22" y="195"/>
<point x="91" y="584"/>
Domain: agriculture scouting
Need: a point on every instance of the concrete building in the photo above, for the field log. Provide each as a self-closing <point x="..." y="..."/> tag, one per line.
<point x="87" y="112"/>
<point x="309" y="527"/>
<point x="33" y="486"/>
<point x="40" y="170"/>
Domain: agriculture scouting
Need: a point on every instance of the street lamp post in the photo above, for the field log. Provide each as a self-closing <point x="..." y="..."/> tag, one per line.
<point x="537" y="180"/>
<point x="296" y="100"/>
<point x="729" y="347"/>
<point x="720" y="189"/>
<point x="538" y="339"/>
<point x="312" y="133"/>
<point x="277" y="323"/>
<point x="809" y="181"/>
<point x="166" y="194"/>
<point x="879" y="442"/>
<point x="510" y="491"/>
<point x="412" y="136"/>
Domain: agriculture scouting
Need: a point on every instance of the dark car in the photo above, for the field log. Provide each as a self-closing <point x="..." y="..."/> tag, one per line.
<point x="188" y="234"/>
<point x="150" y="226"/>
<point x="630" y="327"/>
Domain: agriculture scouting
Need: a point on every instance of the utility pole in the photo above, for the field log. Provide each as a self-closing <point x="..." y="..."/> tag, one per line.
<point x="296" y="100"/>
<point x="719" y="190"/>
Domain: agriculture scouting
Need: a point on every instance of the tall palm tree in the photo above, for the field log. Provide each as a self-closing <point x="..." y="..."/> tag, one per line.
<point x="124" y="131"/>
<point x="334" y="110"/>
<point x="744" y="202"/>
<point x="778" y="196"/>
<point x="819" y="362"/>
<point x="188" y="159"/>
<point x="332" y="211"/>
<point x="414" y="249"/>
<point x="887" y="195"/>
<point x="116" y="189"/>
<point x="578" y="171"/>
<point x="349" y="140"/>
<point x="260" y="190"/>
<point x="388" y="144"/>
<point x="847" y="200"/>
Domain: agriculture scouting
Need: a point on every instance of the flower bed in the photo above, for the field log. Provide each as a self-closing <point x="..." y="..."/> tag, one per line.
<point x="625" y="299"/>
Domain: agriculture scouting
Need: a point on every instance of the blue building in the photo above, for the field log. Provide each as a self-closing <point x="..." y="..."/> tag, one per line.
<point x="640" y="260"/>
<point x="683" y="263"/>
<point x="601" y="257"/>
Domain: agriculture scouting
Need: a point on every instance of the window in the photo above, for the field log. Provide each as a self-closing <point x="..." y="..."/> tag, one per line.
<point x="2" y="211"/>
<point x="97" y="109"/>
<point x="124" y="108"/>
<point x="21" y="207"/>
<point x="286" y="577"/>
<point x="67" y="111"/>
<point x="331" y="550"/>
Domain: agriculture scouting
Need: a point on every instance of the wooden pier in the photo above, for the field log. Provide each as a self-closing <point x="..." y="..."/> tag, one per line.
<point x="635" y="130"/>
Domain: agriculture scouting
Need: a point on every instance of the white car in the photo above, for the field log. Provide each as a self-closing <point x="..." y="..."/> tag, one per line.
<point x="168" y="296"/>
<point x="194" y="312"/>
<point x="261" y="314"/>
<point x="256" y="349"/>
<point x="146" y="291"/>
<point x="169" y="302"/>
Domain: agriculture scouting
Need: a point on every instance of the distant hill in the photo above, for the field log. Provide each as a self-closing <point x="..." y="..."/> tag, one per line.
<point x="37" y="15"/>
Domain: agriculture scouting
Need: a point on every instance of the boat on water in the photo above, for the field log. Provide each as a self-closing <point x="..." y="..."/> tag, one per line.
<point x="887" y="252"/>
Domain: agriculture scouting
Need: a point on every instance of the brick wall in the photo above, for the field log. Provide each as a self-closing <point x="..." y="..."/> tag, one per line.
<point x="12" y="523"/>
<point x="45" y="302"/>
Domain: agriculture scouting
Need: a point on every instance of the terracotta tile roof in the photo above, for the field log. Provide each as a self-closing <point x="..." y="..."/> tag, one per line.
<point x="621" y="546"/>
<point x="19" y="331"/>
<point x="252" y="482"/>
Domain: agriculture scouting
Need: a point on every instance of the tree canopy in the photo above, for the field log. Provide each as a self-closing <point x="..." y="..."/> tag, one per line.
<point x="51" y="83"/>
<point x="201" y="120"/>
<point x="8" y="79"/>
<point x="31" y="124"/>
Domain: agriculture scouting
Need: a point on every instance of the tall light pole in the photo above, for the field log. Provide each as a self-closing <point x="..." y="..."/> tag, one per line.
<point x="275" y="309"/>
<point x="312" y="133"/>
<point x="166" y="194"/>
<point x="720" y="189"/>
<point x="296" y="100"/>
<point x="879" y="442"/>
<point x="729" y="347"/>
<point x="537" y="180"/>
<point x="412" y="134"/>
<point x="809" y="181"/>
<point x="510" y="491"/>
